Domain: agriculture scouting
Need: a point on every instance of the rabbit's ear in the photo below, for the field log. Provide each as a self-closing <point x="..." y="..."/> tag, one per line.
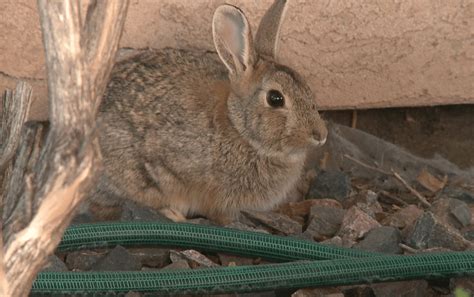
<point x="233" y="39"/>
<point x="268" y="33"/>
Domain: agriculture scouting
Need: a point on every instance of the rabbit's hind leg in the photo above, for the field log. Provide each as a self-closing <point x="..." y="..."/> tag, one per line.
<point x="169" y="187"/>
<point x="104" y="205"/>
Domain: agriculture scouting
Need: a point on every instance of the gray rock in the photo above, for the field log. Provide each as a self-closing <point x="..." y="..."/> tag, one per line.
<point x="118" y="259"/>
<point x="134" y="212"/>
<point x="54" y="264"/>
<point x="179" y="264"/>
<point x="453" y="211"/>
<point x="324" y="222"/>
<point x="241" y="226"/>
<point x="193" y="256"/>
<point x="429" y="232"/>
<point x="383" y="239"/>
<point x="275" y="221"/>
<point x="459" y="193"/>
<point x="151" y="257"/>
<point x="370" y="206"/>
<point x="335" y="241"/>
<point x="356" y="224"/>
<point x="330" y="184"/>
<point x="83" y="260"/>
<point x="83" y="218"/>
<point x="415" y="288"/>
<point x="469" y="235"/>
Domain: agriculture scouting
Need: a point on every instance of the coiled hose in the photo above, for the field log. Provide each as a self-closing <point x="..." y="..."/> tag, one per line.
<point x="321" y="266"/>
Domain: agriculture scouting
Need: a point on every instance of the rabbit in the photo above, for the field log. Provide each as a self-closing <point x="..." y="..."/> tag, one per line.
<point x="190" y="132"/>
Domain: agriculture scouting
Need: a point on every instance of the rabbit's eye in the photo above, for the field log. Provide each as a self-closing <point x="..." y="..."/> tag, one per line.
<point x="275" y="99"/>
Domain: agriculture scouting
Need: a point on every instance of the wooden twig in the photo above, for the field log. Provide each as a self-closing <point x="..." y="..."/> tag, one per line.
<point x="408" y="248"/>
<point x="354" y="119"/>
<point x="394" y="174"/>
<point x="79" y="61"/>
<point x="16" y="106"/>
<point x="411" y="189"/>
<point x="394" y="198"/>
<point x="366" y="165"/>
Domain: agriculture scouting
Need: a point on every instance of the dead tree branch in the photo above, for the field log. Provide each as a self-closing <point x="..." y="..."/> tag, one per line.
<point x="16" y="106"/>
<point x="18" y="188"/>
<point x="79" y="62"/>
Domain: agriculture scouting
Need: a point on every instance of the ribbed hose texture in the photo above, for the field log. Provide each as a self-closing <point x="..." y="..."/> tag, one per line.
<point x="336" y="266"/>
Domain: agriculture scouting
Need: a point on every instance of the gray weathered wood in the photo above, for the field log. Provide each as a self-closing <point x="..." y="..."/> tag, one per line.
<point x="16" y="106"/>
<point x="79" y="61"/>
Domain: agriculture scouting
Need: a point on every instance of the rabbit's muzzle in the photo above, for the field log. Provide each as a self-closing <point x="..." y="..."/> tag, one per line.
<point x="319" y="135"/>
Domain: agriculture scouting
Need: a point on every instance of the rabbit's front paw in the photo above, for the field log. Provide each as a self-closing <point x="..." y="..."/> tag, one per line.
<point x="173" y="214"/>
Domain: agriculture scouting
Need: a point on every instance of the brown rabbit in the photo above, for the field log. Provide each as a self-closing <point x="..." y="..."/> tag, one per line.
<point x="191" y="132"/>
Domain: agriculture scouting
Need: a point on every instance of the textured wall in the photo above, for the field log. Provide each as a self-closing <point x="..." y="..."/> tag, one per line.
<point x="354" y="53"/>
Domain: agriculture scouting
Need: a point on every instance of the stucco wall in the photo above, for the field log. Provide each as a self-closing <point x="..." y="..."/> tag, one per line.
<point x="354" y="53"/>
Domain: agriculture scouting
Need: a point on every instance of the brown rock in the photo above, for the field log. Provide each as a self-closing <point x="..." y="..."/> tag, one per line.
<point x="275" y="221"/>
<point x="299" y="210"/>
<point x="404" y="217"/>
<point x="356" y="224"/>
<point x="415" y="288"/>
<point x="318" y="292"/>
<point x="83" y="260"/>
<point x="179" y="264"/>
<point x="193" y="256"/>
<point x="117" y="259"/>
<point x="231" y="260"/>
<point x="358" y="291"/>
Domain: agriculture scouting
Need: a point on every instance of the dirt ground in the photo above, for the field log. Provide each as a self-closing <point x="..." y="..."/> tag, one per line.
<point x="426" y="131"/>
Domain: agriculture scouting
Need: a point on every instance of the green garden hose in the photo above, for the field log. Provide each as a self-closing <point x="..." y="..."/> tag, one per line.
<point x="343" y="267"/>
<point x="209" y="238"/>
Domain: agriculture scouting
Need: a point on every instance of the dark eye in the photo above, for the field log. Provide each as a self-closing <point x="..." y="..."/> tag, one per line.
<point x="275" y="99"/>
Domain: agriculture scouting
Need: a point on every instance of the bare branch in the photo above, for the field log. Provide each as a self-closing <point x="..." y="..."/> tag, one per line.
<point x="366" y="165"/>
<point x="79" y="62"/>
<point x="411" y="189"/>
<point x="100" y="45"/>
<point x="3" y="279"/>
<point x="394" y="174"/>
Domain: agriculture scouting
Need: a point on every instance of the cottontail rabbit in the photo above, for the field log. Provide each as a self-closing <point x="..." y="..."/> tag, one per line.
<point x="191" y="132"/>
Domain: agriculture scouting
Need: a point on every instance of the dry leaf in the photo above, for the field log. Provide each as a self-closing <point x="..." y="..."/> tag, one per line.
<point x="430" y="182"/>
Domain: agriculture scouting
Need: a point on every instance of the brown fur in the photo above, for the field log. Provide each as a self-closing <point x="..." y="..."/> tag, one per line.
<point x="189" y="133"/>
